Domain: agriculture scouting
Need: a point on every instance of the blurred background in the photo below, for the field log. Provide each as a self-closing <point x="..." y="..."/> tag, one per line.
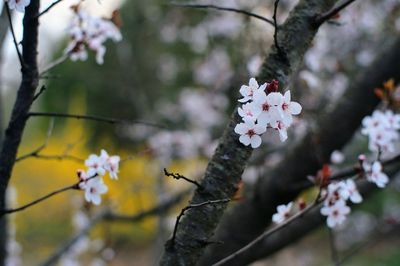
<point x="180" y="69"/>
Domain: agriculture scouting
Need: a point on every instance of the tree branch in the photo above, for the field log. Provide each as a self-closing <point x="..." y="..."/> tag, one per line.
<point x="224" y="171"/>
<point x="331" y="13"/>
<point x="95" y="118"/>
<point x="49" y="8"/>
<point x="276" y="26"/>
<point x="179" y="176"/>
<point x="335" y="129"/>
<point x="230" y="9"/>
<point x="36" y="201"/>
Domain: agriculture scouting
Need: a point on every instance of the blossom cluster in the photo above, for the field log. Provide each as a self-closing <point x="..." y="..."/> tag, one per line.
<point x="18" y="5"/>
<point x="334" y="206"/>
<point x="91" y="181"/>
<point x="374" y="173"/>
<point x="263" y="107"/>
<point x="88" y="32"/>
<point x="382" y="130"/>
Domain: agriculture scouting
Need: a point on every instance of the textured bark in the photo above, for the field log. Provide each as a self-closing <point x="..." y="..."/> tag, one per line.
<point x="336" y="127"/>
<point x="226" y="166"/>
<point x="13" y="134"/>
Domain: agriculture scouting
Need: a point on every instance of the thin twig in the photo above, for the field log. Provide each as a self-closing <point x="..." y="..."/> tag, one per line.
<point x="332" y="244"/>
<point x="36" y="201"/>
<point x="36" y="151"/>
<point x="331" y="13"/>
<point x="191" y="206"/>
<point x="95" y="118"/>
<point x="53" y="64"/>
<point x="58" y="157"/>
<point x="266" y="234"/>
<point x="48" y="8"/>
<point x="278" y="48"/>
<point x="21" y="60"/>
<point x="42" y="89"/>
<point x="179" y="176"/>
<point x="241" y="11"/>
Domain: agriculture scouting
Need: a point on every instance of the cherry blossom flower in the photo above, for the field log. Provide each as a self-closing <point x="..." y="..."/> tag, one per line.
<point x="381" y="129"/>
<point x="336" y="213"/>
<point x="375" y="175"/>
<point x="93" y="189"/>
<point x="271" y="111"/>
<point x="349" y="191"/>
<point x="96" y="165"/>
<point x="289" y="109"/>
<point x="282" y="129"/>
<point x="249" y="133"/>
<point x="111" y="164"/>
<point x="283" y="212"/>
<point x="248" y="91"/>
<point x="87" y="32"/>
<point x="18" y="5"/>
<point x="249" y="111"/>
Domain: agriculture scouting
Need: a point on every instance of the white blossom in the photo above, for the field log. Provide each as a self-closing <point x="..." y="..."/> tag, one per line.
<point x="18" y="5"/>
<point x="336" y="213"/>
<point x="375" y="174"/>
<point x="283" y="212"/>
<point x="349" y="191"/>
<point x="382" y="130"/>
<point x="248" y="91"/>
<point x="87" y="32"/>
<point x="250" y="133"/>
<point x="94" y="187"/>
<point x="289" y="109"/>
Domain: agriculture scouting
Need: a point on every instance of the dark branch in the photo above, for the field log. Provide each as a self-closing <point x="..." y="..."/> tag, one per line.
<point x="96" y="118"/>
<point x="49" y="7"/>
<point x="267" y="234"/>
<point x="276" y="26"/>
<point x="331" y="13"/>
<point x="37" y="95"/>
<point x="241" y="11"/>
<point x="179" y="176"/>
<point x="36" y="201"/>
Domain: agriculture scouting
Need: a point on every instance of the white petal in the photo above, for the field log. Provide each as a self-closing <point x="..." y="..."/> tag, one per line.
<point x="255" y="141"/>
<point x="287" y="97"/>
<point x="253" y="83"/>
<point x="245" y="139"/>
<point x="241" y="128"/>
<point x="295" y="108"/>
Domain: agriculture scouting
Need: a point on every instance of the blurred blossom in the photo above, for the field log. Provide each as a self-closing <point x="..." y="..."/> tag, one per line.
<point x="196" y="37"/>
<point x="365" y="57"/>
<point x="254" y="65"/>
<point x="199" y="108"/>
<point x="108" y="254"/>
<point x="310" y="78"/>
<point x="225" y="24"/>
<point x="337" y="157"/>
<point x="250" y="175"/>
<point x="215" y="69"/>
<point x="169" y="33"/>
<point x="168" y="68"/>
